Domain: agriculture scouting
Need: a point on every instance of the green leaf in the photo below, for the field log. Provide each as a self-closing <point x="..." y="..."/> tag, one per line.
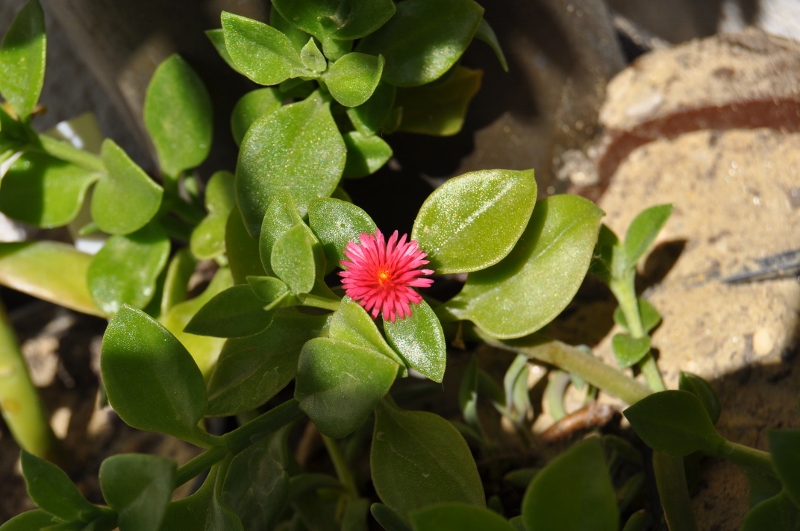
<point x="235" y="312"/>
<point x="637" y="521"/>
<point x="177" y="114"/>
<point x="44" y="191"/>
<point x="125" y="270"/>
<point x="208" y="238"/>
<point x="643" y="231"/>
<point x="521" y="294"/>
<point x="418" y="459"/>
<point x="251" y="107"/>
<point x="297" y="148"/>
<point x="352" y="324"/>
<point x="297" y="37"/>
<point x="151" y="380"/>
<point x="176" y="282"/>
<point x="344" y="20"/>
<point x="51" y="489"/>
<point x="647" y="312"/>
<point x="468" y="395"/>
<point x="293" y="259"/>
<point x="204" y="349"/>
<point x="424" y="39"/>
<point x="365" y="154"/>
<point x="473" y="221"/>
<point x="457" y="517"/>
<point x="203" y="510"/>
<point x="35" y="520"/>
<point x="702" y="390"/>
<point x="674" y="422"/>
<point x="354" y="517"/>
<point x="217" y="38"/>
<point x="353" y="78"/>
<point x="339" y="384"/>
<point x="281" y="216"/>
<point x="784" y="449"/>
<point x="369" y="117"/>
<point x="260" y="52"/>
<point x="573" y="492"/>
<point x="487" y="35"/>
<point x="126" y="199"/>
<point x="439" y="108"/>
<point x="388" y="519"/>
<point x="242" y="250"/>
<point x="251" y="370"/>
<point x="336" y="222"/>
<point x="629" y="350"/>
<point x="138" y="487"/>
<point x="268" y="289"/>
<point x="312" y="58"/>
<point x="778" y="513"/>
<point x="602" y="265"/>
<point x="50" y="271"/>
<point x="22" y="59"/>
<point x="419" y="340"/>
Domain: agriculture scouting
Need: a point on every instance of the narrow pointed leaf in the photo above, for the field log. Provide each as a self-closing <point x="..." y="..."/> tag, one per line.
<point x="312" y="58"/>
<point x="51" y="489"/>
<point x="235" y="312"/>
<point x="268" y="289"/>
<point x="419" y="340"/>
<point x="22" y="59"/>
<point x="643" y="231"/>
<point x="487" y="35"/>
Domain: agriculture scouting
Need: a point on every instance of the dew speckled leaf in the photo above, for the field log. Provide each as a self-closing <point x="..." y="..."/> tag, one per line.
<point x="44" y="191"/>
<point x="335" y="223"/>
<point x="343" y="20"/>
<point x="22" y="59"/>
<point x="296" y="148"/>
<point x="241" y="249"/>
<point x="521" y="294"/>
<point x="177" y="114"/>
<point x="151" y="380"/>
<point x="473" y="221"/>
<point x="312" y="58"/>
<point x="208" y="238"/>
<point x="365" y="154"/>
<point x="125" y="270"/>
<point x="354" y="77"/>
<point x="268" y="289"/>
<point x="251" y="107"/>
<point x="293" y="260"/>
<point x="419" y="459"/>
<point x="251" y="370"/>
<point x="126" y="199"/>
<point x="424" y="39"/>
<point x="419" y="340"/>
<point x="281" y="215"/>
<point x="262" y="53"/>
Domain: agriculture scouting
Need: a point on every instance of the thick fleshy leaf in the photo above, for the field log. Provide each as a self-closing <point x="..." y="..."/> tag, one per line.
<point x="424" y="39"/>
<point x="242" y="250"/>
<point x="177" y="114"/>
<point x="125" y="270"/>
<point x="369" y="117"/>
<point x="235" y="312"/>
<point x="487" y="35"/>
<point x="297" y="148"/>
<point x="643" y="231"/>
<point x="260" y="52"/>
<point x="22" y="59"/>
<point x="312" y="58"/>
<point x="251" y="370"/>
<point x="574" y="492"/>
<point x="419" y="340"/>
<point x="268" y="289"/>
<point x="647" y="312"/>
<point x="457" y="517"/>
<point x="439" y="109"/>
<point x="784" y="449"/>
<point x="298" y="37"/>
<point x="293" y="259"/>
<point x="151" y="380"/>
<point x="257" y="483"/>
<point x="126" y="199"/>
<point x="250" y="108"/>
<point x="44" y="191"/>
<point x="702" y="390"/>
<point x="388" y="519"/>
<point x="35" y="520"/>
<point x="203" y="349"/>
<point x="419" y="459"/>
<point x="473" y="221"/>
<point x="217" y="38"/>
<point x="675" y="423"/>
<point x="202" y="511"/>
<point x="176" y="280"/>
<point x="778" y="513"/>
<point x="336" y="222"/>
<point x="51" y="489"/>
<point x="339" y="384"/>
<point x="352" y="324"/>
<point x="50" y="271"/>
<point x="335" y="18"/>
<point x="281" y="215"/>
<point x="365" y="154"/>
<point x="521" y="294"/>
<point x="138" y="487"/>
<point x="629" y="350"/>
<point x="208" y="238"/>
<point x="353" y="78"/>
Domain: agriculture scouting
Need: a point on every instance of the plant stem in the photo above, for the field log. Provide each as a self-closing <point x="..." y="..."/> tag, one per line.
<point x="200" y="464"/>
<point x="339" y="464"/>
<point x="19" y="400"/>
<point x="673" y="492"/>
<point x="577" y="362"/>
<point x="746" y="457"/>
<point x="316" y="301"/>
<point x="242" y="438"/>
<point x="651" y="373"/>
<point x="65" y="151"/>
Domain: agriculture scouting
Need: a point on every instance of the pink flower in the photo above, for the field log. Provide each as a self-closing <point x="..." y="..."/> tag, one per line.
<point x="380" y="274"/>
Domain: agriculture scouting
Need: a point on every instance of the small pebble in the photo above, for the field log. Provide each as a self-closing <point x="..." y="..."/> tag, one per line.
<point x="763" y="342"/>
